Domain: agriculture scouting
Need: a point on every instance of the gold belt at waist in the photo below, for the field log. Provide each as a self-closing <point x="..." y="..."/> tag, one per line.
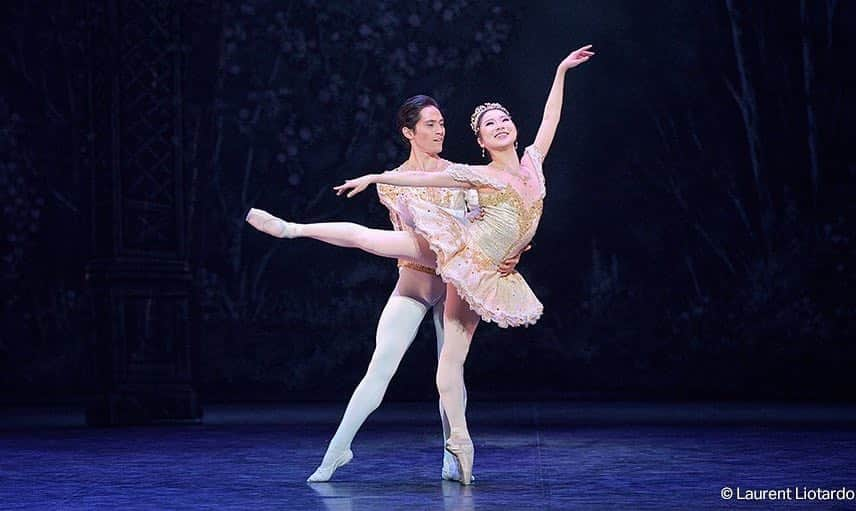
<point x="417" y="267"/>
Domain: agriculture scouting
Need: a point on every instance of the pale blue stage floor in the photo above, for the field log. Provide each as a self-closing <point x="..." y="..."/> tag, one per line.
<point x="529" y="456"/>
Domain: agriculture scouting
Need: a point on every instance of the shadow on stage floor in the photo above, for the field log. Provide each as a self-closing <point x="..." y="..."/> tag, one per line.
<point x="529" y="456"/>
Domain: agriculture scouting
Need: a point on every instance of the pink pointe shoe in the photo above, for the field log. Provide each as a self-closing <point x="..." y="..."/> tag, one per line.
<point x="450" y="471"/>
<point x="462" y="450"/>
<point x="269" y="224"/>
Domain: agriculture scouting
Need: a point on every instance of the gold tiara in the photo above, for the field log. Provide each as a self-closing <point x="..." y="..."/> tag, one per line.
<point x="484" y="107"/>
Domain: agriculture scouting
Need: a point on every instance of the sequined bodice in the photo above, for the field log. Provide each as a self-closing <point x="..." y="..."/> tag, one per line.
<point x="508" y="224"/>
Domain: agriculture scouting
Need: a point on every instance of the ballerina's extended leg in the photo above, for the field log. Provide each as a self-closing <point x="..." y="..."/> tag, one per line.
<point x="384" y="243"/>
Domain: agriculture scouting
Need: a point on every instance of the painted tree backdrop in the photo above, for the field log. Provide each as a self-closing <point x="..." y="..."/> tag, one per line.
<point x="697" y="236"/>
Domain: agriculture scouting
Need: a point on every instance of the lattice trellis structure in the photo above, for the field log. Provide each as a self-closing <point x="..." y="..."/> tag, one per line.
<point x="149" y="88"/>
<point x="139" y="276"/>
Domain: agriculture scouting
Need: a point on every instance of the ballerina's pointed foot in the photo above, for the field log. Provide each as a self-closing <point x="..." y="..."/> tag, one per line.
<point x="450" y="469"/>
<point x="323" y="473"/>
<point x="462" y="450"/>
<point x="270" y="224"/>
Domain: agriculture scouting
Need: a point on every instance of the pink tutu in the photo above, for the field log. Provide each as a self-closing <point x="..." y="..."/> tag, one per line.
<point x="469" y="253"/>
<point x="507" y="301"/>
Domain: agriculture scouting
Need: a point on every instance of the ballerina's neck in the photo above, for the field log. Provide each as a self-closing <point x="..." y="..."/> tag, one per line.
<point x="506" y="161"/>
<point x="512" y="167"/>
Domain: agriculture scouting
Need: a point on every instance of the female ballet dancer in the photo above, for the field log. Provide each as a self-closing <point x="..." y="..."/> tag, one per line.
<point x="511" y="192"/>
<point x="420" y="124"/>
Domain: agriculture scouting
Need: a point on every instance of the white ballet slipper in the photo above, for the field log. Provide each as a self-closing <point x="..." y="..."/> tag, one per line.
<point x="323" y="473"/>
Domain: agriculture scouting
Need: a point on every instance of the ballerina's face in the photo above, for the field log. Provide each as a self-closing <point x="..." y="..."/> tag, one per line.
<point x="428" y="133"/>
<point x="496" y="130"/>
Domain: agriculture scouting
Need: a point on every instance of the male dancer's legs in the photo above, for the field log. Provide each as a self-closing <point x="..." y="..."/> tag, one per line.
<point x="414" y="292"/>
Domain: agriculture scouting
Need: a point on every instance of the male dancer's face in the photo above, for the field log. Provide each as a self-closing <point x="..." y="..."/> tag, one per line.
<point x="429" y="132"/>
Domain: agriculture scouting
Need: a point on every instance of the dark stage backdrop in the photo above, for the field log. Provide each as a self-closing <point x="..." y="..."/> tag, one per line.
<point x="697" y="237"/>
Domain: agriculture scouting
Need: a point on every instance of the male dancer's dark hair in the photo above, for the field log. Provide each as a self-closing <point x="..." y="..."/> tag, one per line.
<point x="408" y="112"/>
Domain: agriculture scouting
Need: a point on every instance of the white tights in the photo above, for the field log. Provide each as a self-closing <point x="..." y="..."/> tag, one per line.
<point x="398" y="325"/>
<point x="399" y="322"/>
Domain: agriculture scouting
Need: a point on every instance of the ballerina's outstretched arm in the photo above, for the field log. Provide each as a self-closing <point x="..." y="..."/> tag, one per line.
<point x="443" y="179"/>
<point x="553" y="108"/>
